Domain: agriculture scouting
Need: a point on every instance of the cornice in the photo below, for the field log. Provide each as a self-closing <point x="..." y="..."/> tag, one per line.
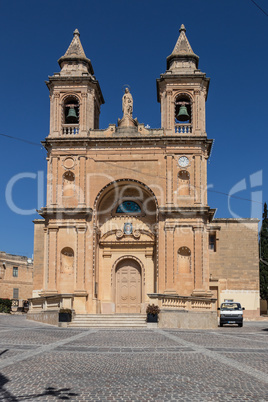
<point x="65" y="212"/>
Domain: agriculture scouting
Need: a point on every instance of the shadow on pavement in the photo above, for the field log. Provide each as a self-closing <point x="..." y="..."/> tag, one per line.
<point x="4" y="351"/>
<point x="61" y="394"/>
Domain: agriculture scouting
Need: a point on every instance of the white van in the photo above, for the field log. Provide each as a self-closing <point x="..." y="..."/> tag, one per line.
<point x="231" y="313"/>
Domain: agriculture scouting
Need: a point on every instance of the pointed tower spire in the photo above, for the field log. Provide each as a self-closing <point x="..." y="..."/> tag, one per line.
<point x="182" y="52"/>
<point x="75" y="54"/>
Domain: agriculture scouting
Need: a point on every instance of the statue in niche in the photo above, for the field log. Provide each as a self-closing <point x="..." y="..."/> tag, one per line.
<point x="127" y="103"/>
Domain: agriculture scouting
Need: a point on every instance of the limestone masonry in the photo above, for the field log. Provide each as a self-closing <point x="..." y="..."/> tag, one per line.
<point x="127" y="222"/>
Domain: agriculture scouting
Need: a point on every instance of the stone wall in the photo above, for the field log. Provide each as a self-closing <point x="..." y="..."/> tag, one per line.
<point x="188" y="319"/>
<point x="234" y="265"/>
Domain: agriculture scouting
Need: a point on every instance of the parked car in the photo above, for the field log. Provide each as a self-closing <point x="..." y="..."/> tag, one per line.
<point x="231" y="313"/>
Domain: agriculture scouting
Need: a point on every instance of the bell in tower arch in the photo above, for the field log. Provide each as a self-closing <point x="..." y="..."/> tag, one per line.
<point x="183" y="114"/>
<point x="72" y="115"/>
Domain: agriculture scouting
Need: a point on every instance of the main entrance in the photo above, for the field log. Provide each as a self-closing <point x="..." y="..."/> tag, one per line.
<point x="128" y="287"/>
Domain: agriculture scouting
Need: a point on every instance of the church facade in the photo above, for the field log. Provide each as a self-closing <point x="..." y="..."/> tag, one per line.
<point x="127" y="222"/>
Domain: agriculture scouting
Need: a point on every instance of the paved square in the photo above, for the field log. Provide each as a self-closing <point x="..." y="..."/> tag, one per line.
<point x="42" y="363"/>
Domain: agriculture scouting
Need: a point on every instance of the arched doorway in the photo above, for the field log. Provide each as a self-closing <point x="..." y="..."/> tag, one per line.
<point x="128" y="286"/>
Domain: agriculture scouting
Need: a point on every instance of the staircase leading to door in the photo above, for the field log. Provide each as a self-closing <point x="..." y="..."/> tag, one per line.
<point x="109" y="321"/>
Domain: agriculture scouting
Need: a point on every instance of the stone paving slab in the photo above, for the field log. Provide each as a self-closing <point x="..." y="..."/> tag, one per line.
<point x="125" y="338"/>
<point x="43" y="363"/>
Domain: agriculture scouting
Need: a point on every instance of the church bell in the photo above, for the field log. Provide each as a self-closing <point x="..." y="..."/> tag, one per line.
<point x="183" y="114"/>
<point x="71" y="116"/>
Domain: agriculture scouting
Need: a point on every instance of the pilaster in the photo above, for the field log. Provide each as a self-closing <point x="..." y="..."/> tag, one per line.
<point x="169" y="179"/>
<point x="52" y="259"/>
<point x="82" y="180"/>
<point x="197" y="179"/>
<point x="169" y="259"/>
<point x="199" y="288"/>
<point x="80" y="260"/>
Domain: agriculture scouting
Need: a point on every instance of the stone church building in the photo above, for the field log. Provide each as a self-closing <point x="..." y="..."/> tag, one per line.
<point x="127" y="222"/>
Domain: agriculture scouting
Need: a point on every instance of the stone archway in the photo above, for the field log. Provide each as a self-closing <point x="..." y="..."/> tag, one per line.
<point x="128" y="286"/>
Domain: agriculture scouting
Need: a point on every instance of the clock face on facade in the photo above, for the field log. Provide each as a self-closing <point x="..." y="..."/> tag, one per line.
<point x="183" y="161"/>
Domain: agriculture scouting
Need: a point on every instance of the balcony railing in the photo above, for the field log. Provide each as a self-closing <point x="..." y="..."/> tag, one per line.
<point x="183" y="128"/>
<point x="70" y="129"/>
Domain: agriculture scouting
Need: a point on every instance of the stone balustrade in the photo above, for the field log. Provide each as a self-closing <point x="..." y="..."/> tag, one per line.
<point x="183" y="128"/>
<point x="70" y="129"/>
<point x="187" y="303"/>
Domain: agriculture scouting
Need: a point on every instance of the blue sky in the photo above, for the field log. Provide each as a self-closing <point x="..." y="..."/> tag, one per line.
<point x="128" y="42"/>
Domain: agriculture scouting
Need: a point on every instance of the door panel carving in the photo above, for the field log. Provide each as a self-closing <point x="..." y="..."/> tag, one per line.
<point x="128" y="287"/>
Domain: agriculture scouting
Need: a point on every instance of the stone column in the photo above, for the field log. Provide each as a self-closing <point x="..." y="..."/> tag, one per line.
<point x="170" y="111"/>
<point x="52" y="259"/>
<point x="83" y="113"/>
<point x="80" y="260"/>
<point x="57" y="115"/>
<point x="169" y="259"/>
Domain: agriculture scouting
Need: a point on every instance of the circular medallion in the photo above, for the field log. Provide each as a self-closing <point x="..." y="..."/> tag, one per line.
<point x="128" y="228"/>
<point x="183" y="161"/>
<point x="68" y="163"/>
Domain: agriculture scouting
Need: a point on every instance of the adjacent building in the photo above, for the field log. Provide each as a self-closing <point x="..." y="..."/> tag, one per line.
<point x="16" y="278"/>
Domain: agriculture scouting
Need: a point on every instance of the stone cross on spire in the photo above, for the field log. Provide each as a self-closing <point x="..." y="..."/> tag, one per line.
<point x="75" y="49"/>
<point x="75" y="55"/>
<point x="182" y="46"/>
<point x="182" y="51"/>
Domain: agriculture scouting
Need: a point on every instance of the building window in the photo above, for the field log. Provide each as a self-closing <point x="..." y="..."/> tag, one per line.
<point x="15" y="293"/>
<point x="212" y="242"/>
<point x="128" y="207"/>
<point x="15" y="271"/>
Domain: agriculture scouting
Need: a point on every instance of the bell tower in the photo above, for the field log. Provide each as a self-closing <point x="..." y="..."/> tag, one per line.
<point x="75" y="94"/>
<point x="182" y="91"/>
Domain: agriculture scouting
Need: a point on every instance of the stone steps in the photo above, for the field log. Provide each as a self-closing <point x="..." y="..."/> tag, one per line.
<point x="109" y="321"/>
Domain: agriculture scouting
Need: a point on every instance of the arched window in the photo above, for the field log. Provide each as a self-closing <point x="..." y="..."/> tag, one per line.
<point x="71" y="110"/>
<point x="184" y="260"/>
<point x="67" y="260"/>
<point x="183" y="182"/>
<point x="127" y="207"/>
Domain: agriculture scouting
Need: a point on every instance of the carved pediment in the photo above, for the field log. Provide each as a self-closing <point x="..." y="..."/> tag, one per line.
<point x="118" y="236"/>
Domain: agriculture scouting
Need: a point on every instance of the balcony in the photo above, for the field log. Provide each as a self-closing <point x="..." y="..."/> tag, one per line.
<point x="183" y="128"/>
<point x="70" y="129"/>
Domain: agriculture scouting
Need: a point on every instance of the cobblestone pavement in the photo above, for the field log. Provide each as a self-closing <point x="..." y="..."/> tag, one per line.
<point x="39" y="362"/>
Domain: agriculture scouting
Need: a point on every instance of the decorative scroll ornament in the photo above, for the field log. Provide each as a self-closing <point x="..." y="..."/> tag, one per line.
<point x="119" y="234"/>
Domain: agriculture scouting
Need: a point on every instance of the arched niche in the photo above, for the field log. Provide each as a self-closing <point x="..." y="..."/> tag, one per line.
<point x="184" y="260"/>
<point x="68" y="180"/>
<point x="183" y="183"/>
<point x="67" y="260"/>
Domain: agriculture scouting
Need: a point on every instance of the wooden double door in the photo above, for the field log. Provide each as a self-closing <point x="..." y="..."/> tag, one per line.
<point x="128" y="287"/>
